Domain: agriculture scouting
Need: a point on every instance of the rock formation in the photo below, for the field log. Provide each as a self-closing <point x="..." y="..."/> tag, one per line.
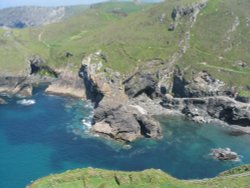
<point x="224" y="154"/>
<point x="113" y="115"/>
<point x="67" y="83"/>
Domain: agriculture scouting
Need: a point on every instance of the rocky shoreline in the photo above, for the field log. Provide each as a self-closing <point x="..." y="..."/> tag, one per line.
<point x="125" y="105"/>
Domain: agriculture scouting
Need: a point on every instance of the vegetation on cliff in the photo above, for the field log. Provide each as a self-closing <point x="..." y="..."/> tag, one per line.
<point x="149" y="178"/>
<point x="215" y="39"/>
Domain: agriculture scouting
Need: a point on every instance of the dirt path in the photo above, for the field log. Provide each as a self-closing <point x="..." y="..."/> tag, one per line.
<point x="43" y="41"/>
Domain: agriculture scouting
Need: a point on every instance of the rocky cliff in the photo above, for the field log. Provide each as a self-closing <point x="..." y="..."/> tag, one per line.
<point x="114" y="116"/>
<point x="126" y="100"/>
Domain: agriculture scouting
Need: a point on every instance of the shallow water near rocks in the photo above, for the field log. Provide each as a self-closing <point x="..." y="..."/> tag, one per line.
<point x="43" y="138"/>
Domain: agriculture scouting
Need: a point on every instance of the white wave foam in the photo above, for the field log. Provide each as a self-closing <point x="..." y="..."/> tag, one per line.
<point x="26" y="102"/>
<point x="86" y="123"/>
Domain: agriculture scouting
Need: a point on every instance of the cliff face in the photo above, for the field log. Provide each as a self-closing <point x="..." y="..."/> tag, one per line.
<point x="67" y="83"/>
<point x="169" y="73"/>
<point x="114" y="117"/>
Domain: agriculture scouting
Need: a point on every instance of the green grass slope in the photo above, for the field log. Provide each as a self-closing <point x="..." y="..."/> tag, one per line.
<point x="220" y="42"/>
<point x="130" y="34"/>
<point x="96" y="178"/>
<point x="126" y="40"/>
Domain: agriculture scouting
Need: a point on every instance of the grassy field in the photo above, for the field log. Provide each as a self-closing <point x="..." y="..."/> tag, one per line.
<point x="126" y="40"/>
<point x="219" y="41"/>
<point x="131" y="34"/>
<point x="96" y="178"/>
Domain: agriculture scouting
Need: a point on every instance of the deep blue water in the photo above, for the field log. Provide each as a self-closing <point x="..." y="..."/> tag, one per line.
<point x="38" y="140"/>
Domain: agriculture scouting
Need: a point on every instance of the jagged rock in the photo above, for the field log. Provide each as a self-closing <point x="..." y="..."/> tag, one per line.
<point x="206" y="109"/>
<point x="229" y="110"/>
<point x="123" y="122"/>
<point x="37" y="65"/>
<point x="24" y="90"/>
<point x="242" y="99"/>
<point x="149" y="127"/>
<point x="15" y="86"/>
<point x="141" y="82"/>
<point x="202" y="85"/>
<point x="179" y="12"/>
<point x="116" y="122"/>
<point x="224" y="154"/>
<point x="93" y="91"/>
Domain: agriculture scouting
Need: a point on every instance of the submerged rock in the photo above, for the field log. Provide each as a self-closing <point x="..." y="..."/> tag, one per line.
<point x="224" y="154"/>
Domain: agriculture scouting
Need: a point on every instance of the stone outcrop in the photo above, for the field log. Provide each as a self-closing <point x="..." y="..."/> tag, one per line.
<point x="114" y="117"/>
<point x="68" y="83"/>
<point x="15" y="86"/>
<point x="38" y="66"/>
<point x="202" y="99"/>
<point x="223" y="108"/>
<point x="224" y="154"/>
<point x="123" y="122"/>
<point x="202" y="85"/>
<point x="141" y="82"/>
<point x="186" y="11"/>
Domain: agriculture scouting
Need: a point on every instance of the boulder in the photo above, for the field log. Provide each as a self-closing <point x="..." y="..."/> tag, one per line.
<point x="123" y="122"/>
<point x="224" y="154"/>
<point x="149" y="127"/>
<point x="116" y="122"/>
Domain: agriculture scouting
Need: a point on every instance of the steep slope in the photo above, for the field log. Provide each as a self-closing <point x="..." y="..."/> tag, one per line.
<point x="179" y="56"/>
<point x="219" y="44"/>
<point x="51" y="42"/>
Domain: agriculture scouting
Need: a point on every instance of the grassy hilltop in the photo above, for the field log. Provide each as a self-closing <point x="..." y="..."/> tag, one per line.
<point x="238" y="177"/>
<point x="130" y="34"/>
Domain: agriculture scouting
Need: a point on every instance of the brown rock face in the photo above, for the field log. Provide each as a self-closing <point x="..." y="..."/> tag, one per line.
<point x="224" y="154"/>
<point x="16" y="86"/>
<point x="68" y="83"/>
<point x="123" y="122"/>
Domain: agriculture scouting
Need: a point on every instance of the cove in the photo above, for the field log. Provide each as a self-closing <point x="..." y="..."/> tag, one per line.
<point x="44" y="138"/>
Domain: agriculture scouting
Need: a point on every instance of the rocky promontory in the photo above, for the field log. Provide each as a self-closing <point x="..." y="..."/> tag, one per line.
<point x="114" y="116"/>
<point x="124" y="105"/>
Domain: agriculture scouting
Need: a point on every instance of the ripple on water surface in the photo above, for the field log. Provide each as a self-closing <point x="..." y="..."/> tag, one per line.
<point x="43" y="138"/>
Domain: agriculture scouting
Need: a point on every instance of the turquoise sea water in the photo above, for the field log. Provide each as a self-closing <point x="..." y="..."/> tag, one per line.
<point x="39" y="140"/>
